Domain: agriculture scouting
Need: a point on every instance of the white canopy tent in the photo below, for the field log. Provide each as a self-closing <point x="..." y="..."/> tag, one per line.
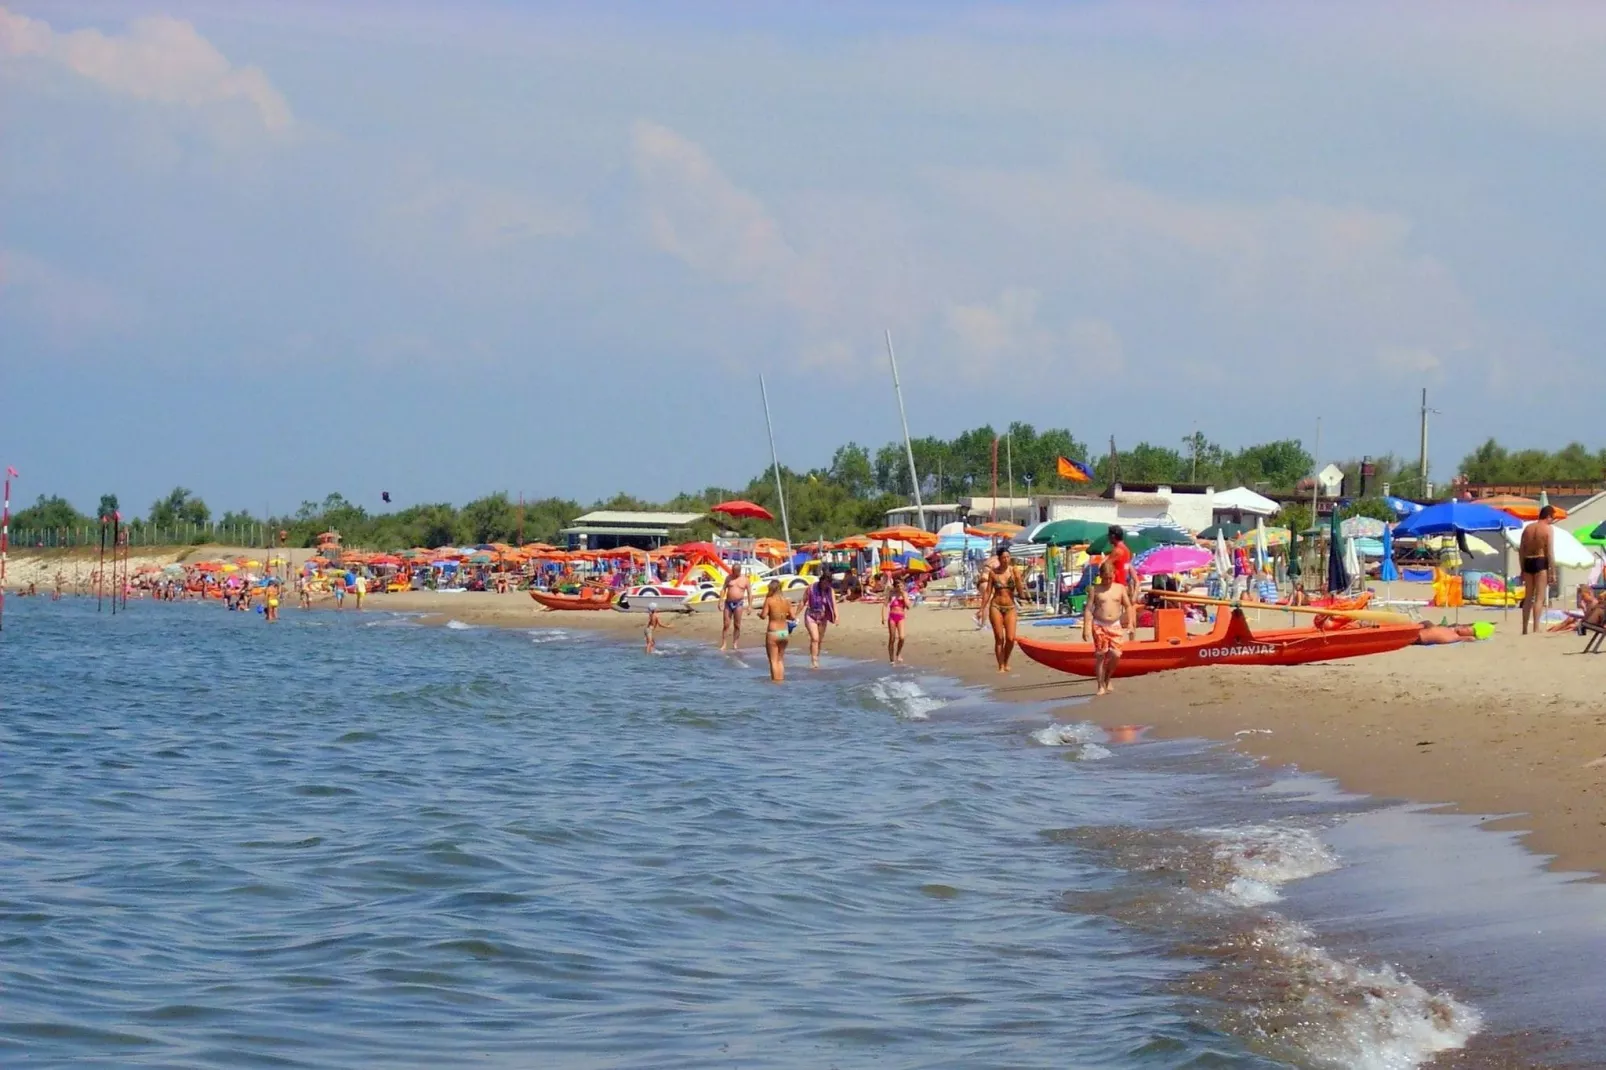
<point x="1244" y="500"/>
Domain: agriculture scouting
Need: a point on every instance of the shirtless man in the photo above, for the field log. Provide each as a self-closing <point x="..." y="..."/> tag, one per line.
<point x="1537" y="553"/>
<point x="1109" y="616"/>
<point x="778" y="617"/>
<point x="735" y="603"/>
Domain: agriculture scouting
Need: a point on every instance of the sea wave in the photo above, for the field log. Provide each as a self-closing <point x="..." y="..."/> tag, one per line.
<point x="908" y="699"/>
<point x="1260" y="859"/>
<point x="458" y="626"/>
<point x="1085" y="740"/>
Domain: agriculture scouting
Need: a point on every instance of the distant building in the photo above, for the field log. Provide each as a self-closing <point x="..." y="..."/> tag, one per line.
<point x="1188" y="504"/>
<point x="607" y="529"/>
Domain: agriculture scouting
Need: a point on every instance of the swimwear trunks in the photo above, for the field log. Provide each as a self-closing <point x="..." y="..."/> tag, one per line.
<point x="1107" y="638"/>
<point x="1532" y="566"/>
<point x="733" y="606"/>
<point x="780" y="635"/>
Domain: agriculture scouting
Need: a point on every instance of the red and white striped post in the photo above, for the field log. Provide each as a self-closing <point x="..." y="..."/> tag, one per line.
<point x="5" y="541"/>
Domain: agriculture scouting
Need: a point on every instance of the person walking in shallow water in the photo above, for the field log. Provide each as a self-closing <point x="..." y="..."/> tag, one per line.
<point x="1003" y="591"/>
<point x="893" y="612"/>
<point x="654" y="622"/>
<point x="819" y="613"/>
<point x="778" y="620"/>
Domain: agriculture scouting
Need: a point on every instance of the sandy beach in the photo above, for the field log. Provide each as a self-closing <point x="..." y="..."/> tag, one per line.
<point x="1513" y="727"/>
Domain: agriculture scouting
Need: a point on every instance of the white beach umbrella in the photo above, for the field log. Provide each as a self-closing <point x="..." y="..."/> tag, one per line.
<point x="1352" y="559"/>
<point x="1261" y="553"/>
<point x="1564" y="545"/>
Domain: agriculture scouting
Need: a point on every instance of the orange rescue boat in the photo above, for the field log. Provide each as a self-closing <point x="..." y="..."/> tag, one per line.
<point x="1230" y="642"/>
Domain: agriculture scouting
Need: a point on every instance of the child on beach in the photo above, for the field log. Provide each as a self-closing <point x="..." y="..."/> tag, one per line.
<point x="654" y="622"/>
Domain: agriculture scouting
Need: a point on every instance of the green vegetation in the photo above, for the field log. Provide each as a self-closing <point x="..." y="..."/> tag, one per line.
<point x="850" y="494"/>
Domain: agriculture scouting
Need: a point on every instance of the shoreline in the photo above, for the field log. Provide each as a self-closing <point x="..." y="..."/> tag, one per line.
<point x="1509" y="730"/>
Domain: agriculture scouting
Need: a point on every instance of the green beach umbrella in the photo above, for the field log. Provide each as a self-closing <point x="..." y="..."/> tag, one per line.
<point x="1226" y="531"/>
<point x="1069" y="533"/>
<point x="1136" y="541"/>
<point x="1595" y="536"/>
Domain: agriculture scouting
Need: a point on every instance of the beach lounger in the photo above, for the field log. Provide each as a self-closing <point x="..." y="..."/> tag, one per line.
<point x="1597" y="635"/>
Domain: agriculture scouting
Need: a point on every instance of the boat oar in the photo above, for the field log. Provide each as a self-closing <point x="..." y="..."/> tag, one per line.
<point x="1375" y="616"/>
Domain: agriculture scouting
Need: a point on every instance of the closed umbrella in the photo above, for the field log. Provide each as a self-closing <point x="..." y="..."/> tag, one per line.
<point x="1352" y="560"/>
<point x="1388" y="574"/>
<point x="1295" y="569"/>
<point x="1337" y="572"/>
<point x="1261" y="554"/>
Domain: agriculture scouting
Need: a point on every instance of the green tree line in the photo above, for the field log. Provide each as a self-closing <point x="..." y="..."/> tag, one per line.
<point x="850" y="494"/>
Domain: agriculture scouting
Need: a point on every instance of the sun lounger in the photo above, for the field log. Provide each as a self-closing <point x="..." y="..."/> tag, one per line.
<point x="1597" y="635"/>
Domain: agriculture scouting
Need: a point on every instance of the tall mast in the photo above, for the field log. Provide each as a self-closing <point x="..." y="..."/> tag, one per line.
<point x="909" y="450"/>
<point x="775" y="462"/>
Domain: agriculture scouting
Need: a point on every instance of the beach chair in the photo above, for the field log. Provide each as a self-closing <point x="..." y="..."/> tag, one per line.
<point x="1597" y="635"/>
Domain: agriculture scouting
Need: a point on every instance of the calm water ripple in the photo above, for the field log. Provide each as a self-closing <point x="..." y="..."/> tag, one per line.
<point x="319" y="844"/>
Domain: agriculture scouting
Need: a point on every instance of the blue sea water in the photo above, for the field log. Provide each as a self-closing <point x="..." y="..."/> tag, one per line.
<point x="352" y="841"/>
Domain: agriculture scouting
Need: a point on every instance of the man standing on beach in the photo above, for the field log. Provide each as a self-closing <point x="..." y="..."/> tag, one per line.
<point x="1537" y="552"/>
<point x="1120" y="559"/>
<point x="735" y="602"/>
<point x="1110" y="612"/>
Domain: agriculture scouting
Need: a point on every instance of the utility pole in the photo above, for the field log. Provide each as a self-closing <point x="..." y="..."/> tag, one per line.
<point x="1422" y="472"/>
<point x="1009" y="466"/>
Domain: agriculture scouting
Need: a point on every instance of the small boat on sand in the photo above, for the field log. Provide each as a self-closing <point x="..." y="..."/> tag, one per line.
<point x="588" y="598"/>
<point x="1230" y="642"/>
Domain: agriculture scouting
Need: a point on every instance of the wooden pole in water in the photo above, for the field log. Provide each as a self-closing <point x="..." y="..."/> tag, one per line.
<point x="100" y="572"/>
<point x="5" y="540"/>
<point x="117" y="526"/>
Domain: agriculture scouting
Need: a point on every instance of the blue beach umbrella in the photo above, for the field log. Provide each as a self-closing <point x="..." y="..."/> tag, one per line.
<point x="1450" y="518"/>
<point x="1389" y="573"/>
<point x="1400" y="506"/>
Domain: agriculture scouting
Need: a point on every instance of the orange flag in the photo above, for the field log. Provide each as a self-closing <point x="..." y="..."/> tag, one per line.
<point x="1075" y="471"/>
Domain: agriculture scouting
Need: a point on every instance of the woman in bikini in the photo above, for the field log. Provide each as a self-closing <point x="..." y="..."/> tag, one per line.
<point x="820" y="612"/>
<point x="1003" y="591"/>
<point x="778" y="619"/>
<point x="893" y="612"/>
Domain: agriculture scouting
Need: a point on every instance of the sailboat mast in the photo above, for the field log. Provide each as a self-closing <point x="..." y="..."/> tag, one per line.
<point x="909" y="450"/>
<point x="775" y="462"/>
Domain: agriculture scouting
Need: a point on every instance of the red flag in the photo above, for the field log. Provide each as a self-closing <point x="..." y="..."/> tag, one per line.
<point x="1075" y="471"/>
<point x="12" y="472"/>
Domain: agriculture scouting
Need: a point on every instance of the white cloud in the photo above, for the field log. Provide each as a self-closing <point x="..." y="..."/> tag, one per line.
<point x="65" y="307"/>
<point x="487" y="217"/>
<point x="1009" y="330"/>
<point x="158" y="58"/>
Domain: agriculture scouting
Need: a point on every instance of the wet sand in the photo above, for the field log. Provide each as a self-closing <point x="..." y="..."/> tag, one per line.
<point x="1513" y="727"/>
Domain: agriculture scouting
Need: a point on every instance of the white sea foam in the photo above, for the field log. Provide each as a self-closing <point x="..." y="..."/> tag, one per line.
<point x="1260" y="859"/>
<point x="459" y="626"/>
<point x="1064" y="735"/>
<point x="1093" y="752"/>
<point x="548" y="635"/>
<point x="1358" y="1017"/>
<point x="906" y="698"/>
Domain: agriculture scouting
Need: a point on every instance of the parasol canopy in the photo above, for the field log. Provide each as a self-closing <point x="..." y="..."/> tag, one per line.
<point x="1225" y="531"/>
<point x="1519" y="507"/>
<point x="1566" y="551"/>
<point x="1595" y="536"/>
<point x="1361" y="527"/>
<point x="1069" y="533"/>
<point x="1447" y="518"/>
<point x="1167" y="559"/>
<point x="997" y="529"/>
<point x="742" y="510"/>
<point x="904" y="533"/>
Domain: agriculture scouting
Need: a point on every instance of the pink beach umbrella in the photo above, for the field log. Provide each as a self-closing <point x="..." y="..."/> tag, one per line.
<point x="1166" y="559"/>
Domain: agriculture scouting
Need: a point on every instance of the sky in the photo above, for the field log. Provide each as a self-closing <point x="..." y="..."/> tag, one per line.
<point x="271" y="251"/>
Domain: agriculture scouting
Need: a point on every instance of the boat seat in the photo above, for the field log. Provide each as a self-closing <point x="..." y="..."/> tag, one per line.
<point x="1170" y="626"/>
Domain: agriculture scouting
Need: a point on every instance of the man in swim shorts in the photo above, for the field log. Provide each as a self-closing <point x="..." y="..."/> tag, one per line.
<point x="1537" y="552"/>
<point x="735" y="603"/>
<point x="1105" y="622"/>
